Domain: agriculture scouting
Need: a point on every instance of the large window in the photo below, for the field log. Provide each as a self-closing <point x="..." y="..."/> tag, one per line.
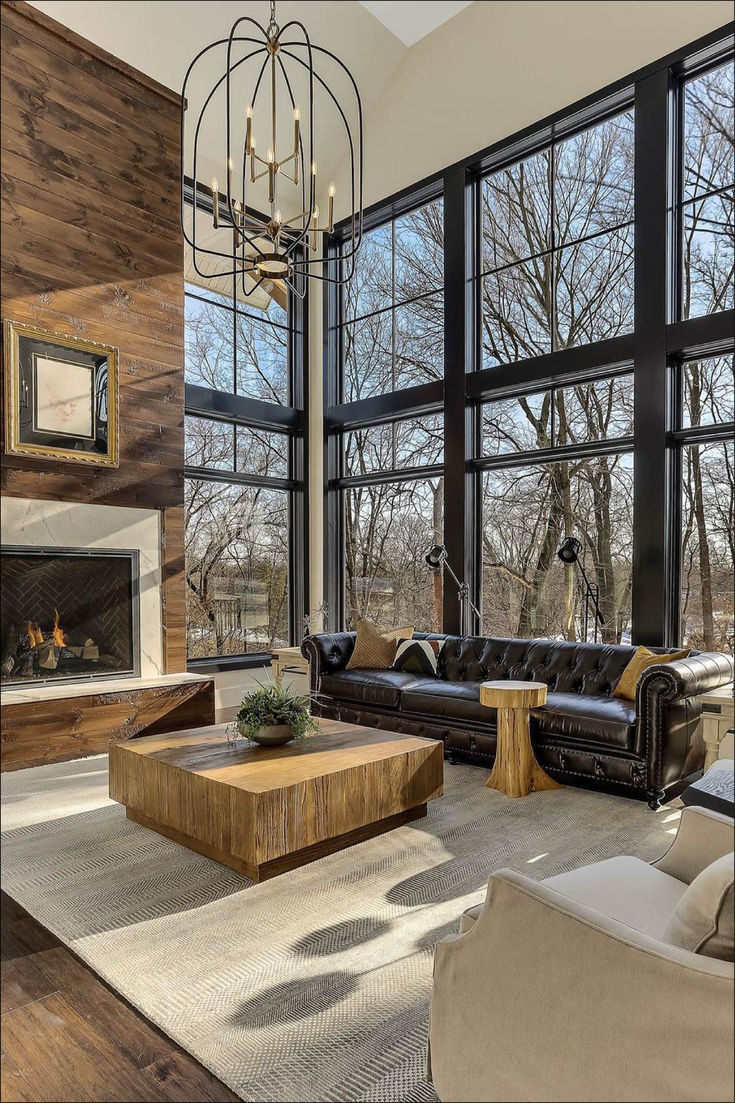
<point x="389" y="529"/>
<point x="390" y="487"/>
<point x="557" y="253"/>
<point x="239" y="352"/>
<point x="244" y="476"/>
<point x="707" y="470"/>
<point x="570" y="306"/>
<point x="393" y="329"/>
<point x="557" y="245"/>
<point x="529" y="508"/>
<point x="708" y="169"/>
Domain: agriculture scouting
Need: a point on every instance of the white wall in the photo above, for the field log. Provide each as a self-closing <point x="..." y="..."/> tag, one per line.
<point x="230" y="687"/>
<point x="498" y="67"/>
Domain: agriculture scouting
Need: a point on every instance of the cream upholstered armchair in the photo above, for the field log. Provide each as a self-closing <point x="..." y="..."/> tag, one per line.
<point x="573" y="989"/>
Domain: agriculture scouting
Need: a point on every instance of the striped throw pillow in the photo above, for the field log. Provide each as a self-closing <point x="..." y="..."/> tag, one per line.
<point x="418" y="657"/>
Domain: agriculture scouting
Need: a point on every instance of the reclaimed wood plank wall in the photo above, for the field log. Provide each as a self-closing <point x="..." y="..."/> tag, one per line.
<point x="91" y="246"/>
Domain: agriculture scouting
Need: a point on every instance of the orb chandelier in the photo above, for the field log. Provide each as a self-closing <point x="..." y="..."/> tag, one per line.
<point x="273" y="64"/>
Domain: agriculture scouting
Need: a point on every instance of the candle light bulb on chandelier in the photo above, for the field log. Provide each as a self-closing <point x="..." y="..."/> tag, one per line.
<point x="248" y="128"/>
<point x="330" y="208"/>
<point x="215" y="202"/>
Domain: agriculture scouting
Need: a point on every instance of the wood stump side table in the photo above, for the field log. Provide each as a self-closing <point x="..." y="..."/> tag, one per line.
<point x="515" y="771"/>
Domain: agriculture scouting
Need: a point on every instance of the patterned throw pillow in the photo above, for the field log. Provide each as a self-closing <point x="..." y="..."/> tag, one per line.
<point x="418" y="657"/>
<point x="625" y="686"/>
<point x="375" y="648"/>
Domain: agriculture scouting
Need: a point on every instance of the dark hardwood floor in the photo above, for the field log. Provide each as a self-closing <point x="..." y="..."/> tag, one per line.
<point x="66" y="1036"/>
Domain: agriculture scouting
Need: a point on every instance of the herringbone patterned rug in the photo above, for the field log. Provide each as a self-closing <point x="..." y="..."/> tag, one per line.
<point x="312" y="986"/>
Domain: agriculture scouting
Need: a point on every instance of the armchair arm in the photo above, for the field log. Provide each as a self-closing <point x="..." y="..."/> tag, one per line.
<point x="326" y="652"/>
<point x="702" y="838"/>
<point x="547" y="1000"/>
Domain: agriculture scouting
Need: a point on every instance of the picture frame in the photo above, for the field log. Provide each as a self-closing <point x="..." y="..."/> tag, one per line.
<point x="61" y="397"/>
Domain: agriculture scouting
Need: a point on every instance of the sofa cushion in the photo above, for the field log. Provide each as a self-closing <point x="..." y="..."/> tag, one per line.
<point x="604" y="720"/>
<point x="702" y="920"/>
<point x="625" y="889"/>
<point x="369" y="687"/>
<point x="434" y="697"/>
<point x="607" y="720"/>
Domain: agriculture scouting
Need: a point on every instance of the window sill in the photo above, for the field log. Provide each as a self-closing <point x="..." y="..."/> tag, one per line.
<point x="229" y="662"/>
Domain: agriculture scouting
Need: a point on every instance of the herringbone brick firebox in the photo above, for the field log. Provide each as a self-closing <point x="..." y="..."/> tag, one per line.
<point x="67" y="614"/>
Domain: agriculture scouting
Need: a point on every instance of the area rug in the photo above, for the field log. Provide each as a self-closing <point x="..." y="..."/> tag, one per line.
<point x="314" y="985"/>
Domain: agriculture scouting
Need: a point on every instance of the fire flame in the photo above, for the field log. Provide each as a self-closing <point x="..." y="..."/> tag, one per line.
<point x="58" y="636"/>
<point x="36" y="636"/>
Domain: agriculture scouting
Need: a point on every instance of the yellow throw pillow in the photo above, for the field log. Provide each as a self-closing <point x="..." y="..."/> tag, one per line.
<point x="642" y="658"/>
<point x="375" y="648"/>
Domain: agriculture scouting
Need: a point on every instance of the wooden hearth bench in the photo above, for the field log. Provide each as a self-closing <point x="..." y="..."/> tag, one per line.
<point x="56" y="723"/>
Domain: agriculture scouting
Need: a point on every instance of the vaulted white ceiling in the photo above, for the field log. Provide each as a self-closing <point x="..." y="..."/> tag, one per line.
<point x="411" y="21"/>
<point x="160" y="38"/>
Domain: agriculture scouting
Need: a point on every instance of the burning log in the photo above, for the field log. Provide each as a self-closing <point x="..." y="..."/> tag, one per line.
<point x="31" y="650"/>
<point x="48" y="655"/>
<point x="27" y="665"/>
<point x="7" y="662"/>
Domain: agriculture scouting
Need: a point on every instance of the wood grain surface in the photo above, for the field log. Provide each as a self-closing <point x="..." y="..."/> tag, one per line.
<point x="91" y="246"/>
<point x="40" y="732"/>
<point x="259" y="809"/>
<point x="515" y="771"/>
<point x="67" y="1035"/>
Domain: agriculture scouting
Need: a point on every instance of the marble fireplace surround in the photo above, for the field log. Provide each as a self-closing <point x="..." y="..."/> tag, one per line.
<point x="35" y="523"/>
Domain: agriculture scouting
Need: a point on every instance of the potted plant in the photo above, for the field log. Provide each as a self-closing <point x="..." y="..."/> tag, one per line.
<point x="273" y="715"/>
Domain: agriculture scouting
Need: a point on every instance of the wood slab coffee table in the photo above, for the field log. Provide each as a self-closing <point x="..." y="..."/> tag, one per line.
<point x="264" y="810"/>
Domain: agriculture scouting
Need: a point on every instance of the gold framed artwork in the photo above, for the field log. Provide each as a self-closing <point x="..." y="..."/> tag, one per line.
<point x="61" y="397"/>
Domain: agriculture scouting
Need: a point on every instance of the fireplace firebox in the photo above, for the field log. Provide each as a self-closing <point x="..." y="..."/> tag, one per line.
<point x="68" y="614"/>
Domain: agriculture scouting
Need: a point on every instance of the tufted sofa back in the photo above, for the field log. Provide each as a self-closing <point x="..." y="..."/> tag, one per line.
<point x="588" y="668"/>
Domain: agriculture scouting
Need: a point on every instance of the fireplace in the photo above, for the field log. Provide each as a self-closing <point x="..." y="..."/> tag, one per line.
<point x="68" y="614"/>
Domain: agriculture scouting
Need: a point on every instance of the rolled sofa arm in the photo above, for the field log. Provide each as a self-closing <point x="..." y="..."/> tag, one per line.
<point x="542" y="999"/>
<point x="686" y="677"/>
<point x="326" y="652"/>
<point x="666" y="692"/>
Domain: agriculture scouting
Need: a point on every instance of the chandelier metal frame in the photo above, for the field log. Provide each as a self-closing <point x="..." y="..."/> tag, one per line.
<point x="267" y="247"/>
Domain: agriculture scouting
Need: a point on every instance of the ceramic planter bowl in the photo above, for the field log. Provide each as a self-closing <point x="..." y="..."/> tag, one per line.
<point x="274" y="735"/>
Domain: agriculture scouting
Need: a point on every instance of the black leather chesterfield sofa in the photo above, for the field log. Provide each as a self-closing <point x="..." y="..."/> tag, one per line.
<point x="647" y="749"/>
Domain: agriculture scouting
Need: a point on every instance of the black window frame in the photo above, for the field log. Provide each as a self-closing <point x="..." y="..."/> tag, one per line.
<point x="659" y="341"/>
<point x="290" y="420"/>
